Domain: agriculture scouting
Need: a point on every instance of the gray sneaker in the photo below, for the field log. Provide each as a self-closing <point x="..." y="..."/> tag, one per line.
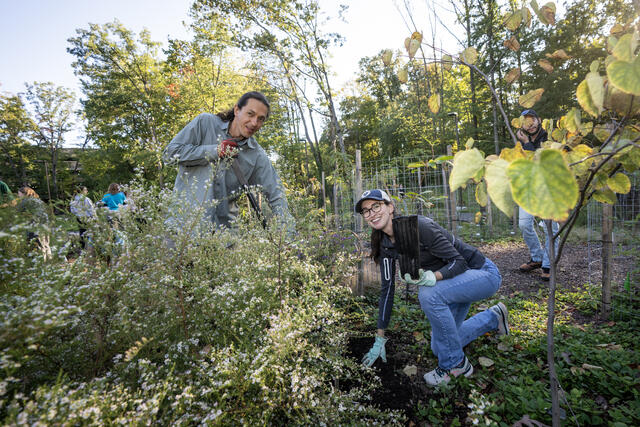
<point x="500" y="310"/>
<point x="440" y="376"/>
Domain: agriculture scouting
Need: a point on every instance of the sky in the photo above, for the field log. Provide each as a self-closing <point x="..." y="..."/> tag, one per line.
<point x="34" y="33"/>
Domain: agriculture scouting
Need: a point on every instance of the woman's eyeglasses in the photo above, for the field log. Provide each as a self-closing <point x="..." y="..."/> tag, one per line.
<point x="375" y="208"/>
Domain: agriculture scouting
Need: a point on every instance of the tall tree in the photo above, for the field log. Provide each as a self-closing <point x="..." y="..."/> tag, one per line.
<point x="125" y="89"/>
<point x="53" y="113"/>
<point x="290" y="33"/>
<point x="204" y="74"/>
<point x="16" y="128"/>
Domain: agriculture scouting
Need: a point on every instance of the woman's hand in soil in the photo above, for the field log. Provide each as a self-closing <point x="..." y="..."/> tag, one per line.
<point x="425" y="278"/>
<point x="376" y="351"/>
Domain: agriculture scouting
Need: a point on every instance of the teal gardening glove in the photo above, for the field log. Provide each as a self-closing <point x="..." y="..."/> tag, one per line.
<point x="425" y="278"/>
<point x="376" y="351"/>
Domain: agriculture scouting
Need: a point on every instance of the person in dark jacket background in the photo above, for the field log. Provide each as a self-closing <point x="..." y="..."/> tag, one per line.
<point x="531" y="135"/>
<point x="453" y="274"/>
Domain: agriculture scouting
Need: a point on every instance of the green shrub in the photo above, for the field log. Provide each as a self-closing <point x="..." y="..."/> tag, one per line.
<point x="241" y="327"/>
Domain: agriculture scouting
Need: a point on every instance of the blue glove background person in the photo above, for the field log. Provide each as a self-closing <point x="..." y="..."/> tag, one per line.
<point x="425" y="278"/>
<point x="376" y="351"/>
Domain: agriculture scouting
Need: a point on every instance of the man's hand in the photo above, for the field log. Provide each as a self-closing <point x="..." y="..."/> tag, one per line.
<point x="522" y="137"/>
<point x="227" y="148"/>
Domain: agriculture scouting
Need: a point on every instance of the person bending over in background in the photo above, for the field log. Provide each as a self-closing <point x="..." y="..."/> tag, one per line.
<point x="82" y="207"/>
<point x="531" y="136"/>
<point x="30" y="205"/>
<point x="452" y="276"/>
<point x="201" y="147"/>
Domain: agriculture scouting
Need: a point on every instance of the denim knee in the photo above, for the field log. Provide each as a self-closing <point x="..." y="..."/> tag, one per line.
<point x="428" y="297"/>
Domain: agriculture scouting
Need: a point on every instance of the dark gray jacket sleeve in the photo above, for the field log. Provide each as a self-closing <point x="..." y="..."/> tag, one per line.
<point x="440" y="247"/>
<point x="195" y="145"/>
<point x="387" y="290"/>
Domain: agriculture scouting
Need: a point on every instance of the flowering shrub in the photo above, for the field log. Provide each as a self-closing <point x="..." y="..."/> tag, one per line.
<point x="150" y="325"/>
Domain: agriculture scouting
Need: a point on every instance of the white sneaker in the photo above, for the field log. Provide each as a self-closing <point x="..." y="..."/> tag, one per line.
<point x="440" y="376"/>
<point x="500" y="310"/>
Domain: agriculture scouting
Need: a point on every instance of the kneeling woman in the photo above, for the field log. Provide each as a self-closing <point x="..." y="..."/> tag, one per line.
<point x="453" y="274"/>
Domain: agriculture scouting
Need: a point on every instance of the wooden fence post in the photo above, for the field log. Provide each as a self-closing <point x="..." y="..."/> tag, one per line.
<point x="452" y="199"/>
<point x="419" y="207"/>
<point x="358" y="188"/>
<point x="489" y="216"/>
<point x="336" y="203"/>
<point x="607" y="257"/>
<point x="358" y="223"/>
<point x="324" y="199"/>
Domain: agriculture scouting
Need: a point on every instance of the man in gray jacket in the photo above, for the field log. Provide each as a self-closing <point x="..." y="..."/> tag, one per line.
<point x="204" y="150"/>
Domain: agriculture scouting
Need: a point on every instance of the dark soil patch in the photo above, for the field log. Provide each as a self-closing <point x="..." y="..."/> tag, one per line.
<point x="400" y="391"/>
<point x="579" y="265"/>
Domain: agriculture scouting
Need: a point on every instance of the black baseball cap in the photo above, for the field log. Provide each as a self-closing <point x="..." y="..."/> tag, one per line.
<point x="376" y="194"/>
<point x="529" y="112"/>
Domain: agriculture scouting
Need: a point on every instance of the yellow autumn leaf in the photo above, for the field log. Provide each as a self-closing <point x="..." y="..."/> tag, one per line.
<point x="511" y="154"/>
<point x="512" y="44"/>
<point x="512" y="75"/>
<point x="619" y="183"/>
<point x="625" y="76"/>
<point x="526" y="16"/>
<point x="625" y="48"/>
<point x="573" y="120"/>
<point x="447" y="62"/>
<point x="601" y="132"/>
<point x="549" y="12"/>
<point x="605" y="196"/>
<point x="387" y="55"/>
<point x="616" y="29"/>
<point x="530" y="98"/>
<point x="544" y="186"/>
<point x="403" y="75"/>
<point x="414" y="45"/>
<point x="434" y="103"/>
<point x="558" y="54"/>
<point x="481" y="193"/>
<point x="469" y="55"/>
<point x="516" y="123"/>
<point x="512" y="20"/>
<point x="546" y="65"/>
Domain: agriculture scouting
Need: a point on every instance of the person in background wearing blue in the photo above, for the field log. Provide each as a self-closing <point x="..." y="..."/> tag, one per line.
<point x="114" y="198"/>
<point x="531" y="135"/>
<point x="453" y="274"/>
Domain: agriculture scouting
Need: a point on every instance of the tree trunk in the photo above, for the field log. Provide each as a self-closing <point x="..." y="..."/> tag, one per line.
<point x="472" y="80"/>
<point x="551" y="308"/>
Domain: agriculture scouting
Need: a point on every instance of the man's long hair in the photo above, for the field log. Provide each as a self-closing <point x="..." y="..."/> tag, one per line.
<point x="229" y="115"/>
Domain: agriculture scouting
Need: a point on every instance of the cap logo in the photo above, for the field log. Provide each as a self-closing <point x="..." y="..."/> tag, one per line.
<point x="366" y="193"/>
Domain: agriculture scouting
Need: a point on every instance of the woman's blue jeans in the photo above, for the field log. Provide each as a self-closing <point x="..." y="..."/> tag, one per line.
<point x="446" y="305"/>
